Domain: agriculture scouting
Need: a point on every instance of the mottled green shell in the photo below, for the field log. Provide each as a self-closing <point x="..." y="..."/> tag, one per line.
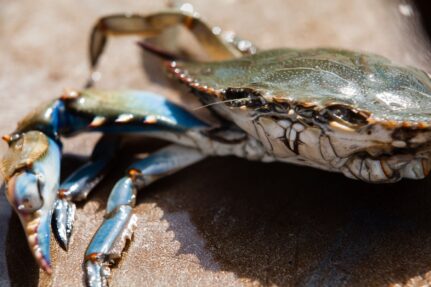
<point x="325" y="76"/>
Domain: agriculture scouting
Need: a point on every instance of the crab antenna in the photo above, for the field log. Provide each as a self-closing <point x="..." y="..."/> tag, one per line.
<point x="220" y="102"/>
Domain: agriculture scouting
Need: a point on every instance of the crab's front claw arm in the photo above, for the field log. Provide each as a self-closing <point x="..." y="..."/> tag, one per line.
<point x="31" y="168"/>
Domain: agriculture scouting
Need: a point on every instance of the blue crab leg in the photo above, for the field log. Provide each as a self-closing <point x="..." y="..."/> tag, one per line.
<point x="77" y="186"/>
<point x="110" y="112"/>
<point x="154" y="25"/>
<point x="109" y="240"/>
<point x="31" y="165"/>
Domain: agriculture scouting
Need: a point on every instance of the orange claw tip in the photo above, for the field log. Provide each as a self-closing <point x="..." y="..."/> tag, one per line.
<point x="133" y="173"/>
<point x="62" y="193"/>
<point x="43" y="263"/>
<point x="69" y="94"/>
<point x="150" y="120"/>
<point x="7" y="138"/>
<point x="47" y="268"/>
<point x="93" y="257"/>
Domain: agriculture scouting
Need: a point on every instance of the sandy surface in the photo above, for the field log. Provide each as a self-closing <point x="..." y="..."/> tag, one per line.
<point x="222" y="222"/>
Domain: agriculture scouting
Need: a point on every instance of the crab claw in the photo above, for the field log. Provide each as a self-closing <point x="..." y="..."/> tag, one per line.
<point x="31" y="168"/>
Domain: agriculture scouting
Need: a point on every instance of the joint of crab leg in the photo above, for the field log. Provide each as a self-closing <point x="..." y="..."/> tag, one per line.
<point x="69" y="94"/>
<point x="77" y="186"/>
<point x="97" y="273"/>
<point x="124" y="193"/>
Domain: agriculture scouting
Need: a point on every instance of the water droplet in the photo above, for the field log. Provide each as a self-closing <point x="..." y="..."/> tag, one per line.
<point x="406" y="10"/>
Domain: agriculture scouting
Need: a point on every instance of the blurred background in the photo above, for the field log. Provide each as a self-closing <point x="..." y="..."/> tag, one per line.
<point x="223" y="222"/>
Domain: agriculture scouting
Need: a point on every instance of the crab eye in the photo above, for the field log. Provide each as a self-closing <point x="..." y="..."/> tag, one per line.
<point x="24" y="192"/>
<point x="347" y="115"/>
<point x="243" y="96"/>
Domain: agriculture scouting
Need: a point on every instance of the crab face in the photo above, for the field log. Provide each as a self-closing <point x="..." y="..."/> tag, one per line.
<point x="31" y="171"/>
<point x="333" y="109"/>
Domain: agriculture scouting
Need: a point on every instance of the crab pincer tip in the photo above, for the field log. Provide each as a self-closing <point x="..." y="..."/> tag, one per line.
<point x="62" y="222"/>
<point x="46" y="266"/>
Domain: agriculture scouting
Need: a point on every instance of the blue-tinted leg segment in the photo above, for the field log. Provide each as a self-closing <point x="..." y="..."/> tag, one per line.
<point x="123" y="193"/>
<point x="111" y="229"/>
<point x="110" y="239"/>
<point x="78" y="185"/>
<point x="110" y="112"/>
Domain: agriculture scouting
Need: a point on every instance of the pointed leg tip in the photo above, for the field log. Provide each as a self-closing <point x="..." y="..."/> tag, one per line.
<point x="43" y="261"/>
<point x="48" y="269"/>
<point x="63" y="242"/>
<point x="62" y="223"/>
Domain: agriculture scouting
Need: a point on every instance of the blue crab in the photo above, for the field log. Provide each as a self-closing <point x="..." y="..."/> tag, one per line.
<point x="336" y="110"/>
